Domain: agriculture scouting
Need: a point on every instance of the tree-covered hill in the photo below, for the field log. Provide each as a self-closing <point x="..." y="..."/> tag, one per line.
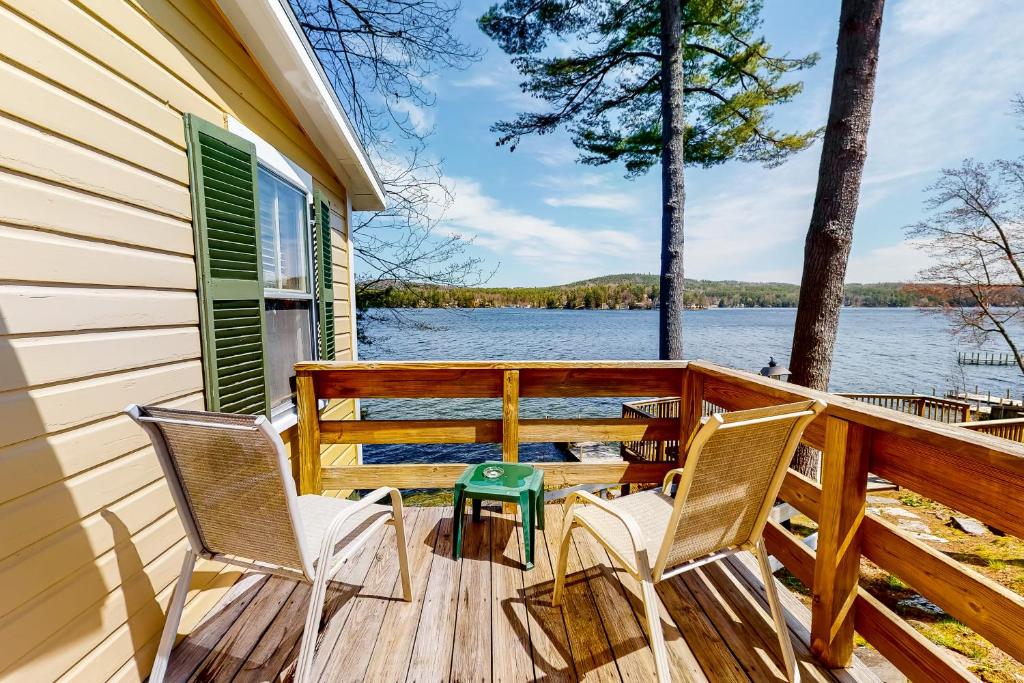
<point x="636" y="291"/>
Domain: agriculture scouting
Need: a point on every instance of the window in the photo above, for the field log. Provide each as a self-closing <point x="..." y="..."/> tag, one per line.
<point x="287" y="293"/>
<point x="263" y="271"/>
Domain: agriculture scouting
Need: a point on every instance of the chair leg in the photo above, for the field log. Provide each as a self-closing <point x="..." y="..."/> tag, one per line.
<point x="403" y="552"/>
<point x="304" y="667"/>
<point x="654" y="632"/>
<point x="174" y="610"/>
<point x="527" y="515"/>
<point x="457" y="522"/>
<point x="792" y="672"/>
<point x="563" y="561"/>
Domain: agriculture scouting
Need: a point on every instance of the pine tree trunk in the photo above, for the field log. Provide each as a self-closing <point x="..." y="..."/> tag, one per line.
<point x="830" y="234"/>
<point x="673" y="189"/>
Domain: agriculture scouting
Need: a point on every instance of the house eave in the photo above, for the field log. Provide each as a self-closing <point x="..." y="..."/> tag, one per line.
<point x="271" y="34"/>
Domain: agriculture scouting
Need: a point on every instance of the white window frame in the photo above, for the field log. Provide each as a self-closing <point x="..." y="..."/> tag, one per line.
<point x="288" y="171"/>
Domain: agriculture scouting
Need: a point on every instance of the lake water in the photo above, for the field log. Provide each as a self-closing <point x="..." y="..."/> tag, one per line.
<point x="885" y="350"/>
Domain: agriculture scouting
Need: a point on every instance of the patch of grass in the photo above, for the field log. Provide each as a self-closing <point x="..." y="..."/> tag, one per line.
<point x="895" y="583"/>
<point x="429" y="499"/>
<point x="913" y="500"/>
<point x="950" y="633"/>
<point x="792" y="583"/>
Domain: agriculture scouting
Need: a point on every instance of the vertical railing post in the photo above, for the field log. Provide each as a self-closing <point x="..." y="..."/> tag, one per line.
<point x="691" y="408"/>
<point x="510" y="423"/>
<point x="309" y="435"/>
<point x="844" y="472"/>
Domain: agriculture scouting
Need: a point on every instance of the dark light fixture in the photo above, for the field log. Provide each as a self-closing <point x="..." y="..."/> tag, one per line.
<point x="775" y="371"/>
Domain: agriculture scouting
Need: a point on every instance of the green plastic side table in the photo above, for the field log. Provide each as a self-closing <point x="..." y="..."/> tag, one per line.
<point x="522" y="484"/>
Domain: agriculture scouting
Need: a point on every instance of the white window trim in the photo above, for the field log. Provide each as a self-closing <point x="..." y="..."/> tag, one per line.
<point x="270" y="157"/>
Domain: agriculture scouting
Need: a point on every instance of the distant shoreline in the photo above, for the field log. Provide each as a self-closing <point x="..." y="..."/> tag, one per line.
<point x="641" y="292"/>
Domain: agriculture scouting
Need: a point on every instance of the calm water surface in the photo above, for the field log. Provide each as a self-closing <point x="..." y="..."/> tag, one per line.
<point x="890" y="350"/>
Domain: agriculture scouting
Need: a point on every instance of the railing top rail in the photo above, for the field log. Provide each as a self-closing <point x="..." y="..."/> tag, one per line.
<point x="491" y="365"/>
<point x="914" y="397"/>
<point x="940" y="435"/>
<point x="982" y="424"/>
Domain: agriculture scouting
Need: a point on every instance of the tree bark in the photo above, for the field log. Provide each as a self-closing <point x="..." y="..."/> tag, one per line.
<point x="673" y="189"/>
<point x="830" y="235"/>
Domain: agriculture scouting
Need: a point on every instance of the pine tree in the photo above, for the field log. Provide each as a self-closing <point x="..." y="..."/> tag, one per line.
<point x="673" y="82"/>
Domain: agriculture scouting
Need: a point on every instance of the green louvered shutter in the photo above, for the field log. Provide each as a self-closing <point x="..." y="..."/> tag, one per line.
<point x="222" y="170"/>
<point x="324" y="274"/>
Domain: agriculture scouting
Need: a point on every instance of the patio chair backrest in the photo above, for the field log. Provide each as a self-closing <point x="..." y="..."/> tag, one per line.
<point x="231" y="483"/>
<point x="734" y="468"/>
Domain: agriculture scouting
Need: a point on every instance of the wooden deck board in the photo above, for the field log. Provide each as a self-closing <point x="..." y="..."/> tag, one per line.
<point x="431" y="658"/>
<point x="483" y="618"/>
<point x="393" y="649"/>
<point x="633" y="656"/>
<point x="471" y="655"/>
<point x="509" y="624"/>
<point x="351" y="654"/>
<point x="588" y="642"/>
<point x="549" y="640"/>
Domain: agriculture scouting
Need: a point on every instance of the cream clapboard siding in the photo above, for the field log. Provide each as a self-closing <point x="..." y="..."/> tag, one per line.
<point x="98" y="309"/>
<point x="338" y="455"/>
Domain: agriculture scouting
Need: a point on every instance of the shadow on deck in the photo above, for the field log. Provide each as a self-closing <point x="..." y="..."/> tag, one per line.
<point x="483" y="618"/>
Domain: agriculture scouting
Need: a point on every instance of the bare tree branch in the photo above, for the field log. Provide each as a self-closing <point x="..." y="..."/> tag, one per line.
<point x="975" y="234"/>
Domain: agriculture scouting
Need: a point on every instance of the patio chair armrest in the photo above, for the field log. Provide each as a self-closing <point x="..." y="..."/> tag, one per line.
<point x="333" y="534"/>
<point x="377" y="494"/>
<point x="632" y="528"/>
<point x="669" y="476"/>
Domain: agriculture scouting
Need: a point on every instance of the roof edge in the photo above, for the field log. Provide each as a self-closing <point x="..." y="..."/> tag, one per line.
<point x="273" y="37"/>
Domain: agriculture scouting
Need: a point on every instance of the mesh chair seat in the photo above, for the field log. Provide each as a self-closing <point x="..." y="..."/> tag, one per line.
<point x="317" y="512"/>
<point x="733" y="470"/>
<point x="231" y="483"/>
<point x="652" y="510"/>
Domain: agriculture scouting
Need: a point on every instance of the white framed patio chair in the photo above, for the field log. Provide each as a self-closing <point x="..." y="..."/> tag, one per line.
<point x="233" y="489"/>
<point x="734" y="467"/>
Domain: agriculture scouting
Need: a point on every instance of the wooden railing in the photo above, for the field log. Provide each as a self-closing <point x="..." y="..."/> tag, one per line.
<point x="932" y="407"/>
<point x="656" y="451"/>
<point x="973" y="473"/>
<point x="1012" y="428"/>
<point x="651" y="451"/>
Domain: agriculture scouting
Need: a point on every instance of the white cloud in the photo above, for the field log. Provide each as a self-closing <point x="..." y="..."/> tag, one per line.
<point x="894" y="263"/>
<point x="933" y="18"/>
<point x="609" y="201"/>
<point x="479" y="80"/>
<point x="947" y="71"/>
<point x="538" y="241"/>
<point x="421" y="119"/>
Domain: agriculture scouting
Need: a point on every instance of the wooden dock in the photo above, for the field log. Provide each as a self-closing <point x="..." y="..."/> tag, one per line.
<point x="985" y="358"/>
<point x="482" y="618"/>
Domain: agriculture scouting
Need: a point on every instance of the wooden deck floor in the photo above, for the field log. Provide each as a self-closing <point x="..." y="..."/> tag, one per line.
<point x="484" y="619"/>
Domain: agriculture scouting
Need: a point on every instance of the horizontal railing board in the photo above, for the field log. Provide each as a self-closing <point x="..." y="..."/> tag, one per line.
<point x="988" y="424"/>
<point x="995" y="612"/>
<point x="444" y="475"/>
<point x="927" y="457"/>
<point x="410" y="431"/>
<point x="913" y="654"/>
<point x="377" y="366"/>
<point x="487" y="383"/>
<point x="421" y="383"/>
<point x="598" y="382"/>
<point x="490" y="431"/>
<point x="988" y="488"/>
<point x="801" y="493"/>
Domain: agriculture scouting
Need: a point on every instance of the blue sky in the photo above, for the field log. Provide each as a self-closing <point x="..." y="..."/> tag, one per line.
<point x="947" y="72"/>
